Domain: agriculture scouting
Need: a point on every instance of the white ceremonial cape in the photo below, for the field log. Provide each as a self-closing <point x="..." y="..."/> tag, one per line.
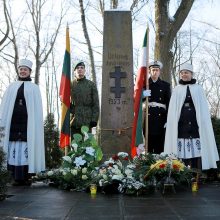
<point x="35" y="126"/>
<point x="209" y="151"/>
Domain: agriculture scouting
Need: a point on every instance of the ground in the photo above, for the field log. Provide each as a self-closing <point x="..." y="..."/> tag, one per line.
<point x="41" y="201"/>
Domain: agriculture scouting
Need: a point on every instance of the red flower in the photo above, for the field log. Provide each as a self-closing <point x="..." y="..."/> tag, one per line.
<point x="162" y="165"/>
<point x="115" y="157"/>
<point x="175" y="167"/>
<point x="126" y="158"/>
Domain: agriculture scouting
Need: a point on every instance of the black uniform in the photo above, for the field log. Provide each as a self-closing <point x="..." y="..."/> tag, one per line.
<point x="187" y="126"/>
<point x="157" y="116"/>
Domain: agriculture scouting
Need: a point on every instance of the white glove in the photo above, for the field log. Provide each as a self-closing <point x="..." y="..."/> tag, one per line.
<point x="147" y="93"/>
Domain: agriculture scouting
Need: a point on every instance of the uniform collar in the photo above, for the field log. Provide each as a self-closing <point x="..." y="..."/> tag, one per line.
<point x="151" y="81"/>
<point x="192" y="81"/>
<point x="80" y="80"/>
<point x="24" y="79"/>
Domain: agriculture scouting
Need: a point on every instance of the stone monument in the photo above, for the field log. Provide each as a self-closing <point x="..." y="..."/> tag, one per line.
<point x="115" y="124"/>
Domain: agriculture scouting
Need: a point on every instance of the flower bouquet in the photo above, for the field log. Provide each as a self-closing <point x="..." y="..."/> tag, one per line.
<point x="79" y="167"/>
<point x="119" y="175"/>
<point x="169" y="170"/>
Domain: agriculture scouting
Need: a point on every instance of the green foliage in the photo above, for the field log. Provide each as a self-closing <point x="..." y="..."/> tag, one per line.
<point x="78" y="169"/>
<point x="5" y="177"/>
<point x="216" y="128"/>
<point x="53" y="153"/>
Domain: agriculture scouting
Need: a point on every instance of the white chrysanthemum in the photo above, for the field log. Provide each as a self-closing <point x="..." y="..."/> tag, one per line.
<point x="116" y="171"/>
<point x="117" y="177"/>
<point x="110" y="161"/>
<point x="137" y="185"/>
<point x="115" y="166"/>
<point x="75" y="146"/>
<point x="84" y="170"/>
<point x="86" y="136"/>
<point x="74" y="172"/>
<point x="84" y="177"/>
<point x="131" y="166"/>
<point x="50" y="173"/>
<point x="90" y="151"/>
<point x="79" y="161"/>
<point x="123" y="154"/>
<point x="67" y="158"/>
<point x="128" y="172"/>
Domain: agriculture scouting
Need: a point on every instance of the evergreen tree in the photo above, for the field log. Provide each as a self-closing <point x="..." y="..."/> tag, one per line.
<point x="53" y="153"/>
<point x="5" y="176"/>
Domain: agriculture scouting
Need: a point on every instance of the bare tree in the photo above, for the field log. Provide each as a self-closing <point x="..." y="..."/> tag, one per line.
<point x="41" y="54"/>
<point x="113" y="4"/>
<point x="166" y="30"/>
<point x="85" y="31"/>
<point x="5" y="35"/>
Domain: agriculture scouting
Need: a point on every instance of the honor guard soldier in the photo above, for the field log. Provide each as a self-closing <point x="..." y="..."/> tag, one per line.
<point x="84" y="101"/>
<point x="158" y="96"/>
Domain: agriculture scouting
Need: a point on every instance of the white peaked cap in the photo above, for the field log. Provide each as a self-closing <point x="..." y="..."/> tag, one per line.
<point x="25" y="62"/>
<point x="156" y="63"/>
<point x="186" y="66"/>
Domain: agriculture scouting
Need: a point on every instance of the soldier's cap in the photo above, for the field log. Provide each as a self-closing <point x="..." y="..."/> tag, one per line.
<point x="81" y="63"/>
<point x="156" y="64"/>
<point x="186" y="66"/>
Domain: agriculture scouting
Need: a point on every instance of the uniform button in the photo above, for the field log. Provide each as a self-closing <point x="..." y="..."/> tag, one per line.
<point x="190" y="123"/>
<point x="161" y="90"/>
<point x="148" y="114"/>
<point x="160" y="98"/>
<point x="159" y="114"/>
<point x="189" y="109"/>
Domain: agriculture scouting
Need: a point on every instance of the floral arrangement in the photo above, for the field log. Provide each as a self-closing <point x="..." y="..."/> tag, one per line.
<point x="168" y="169"/>
<point x="79" y="167"/>
<point x="119" y="175"/>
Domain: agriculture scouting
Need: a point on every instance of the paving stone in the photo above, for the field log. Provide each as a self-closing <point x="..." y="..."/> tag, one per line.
<point x="41" y="201"/>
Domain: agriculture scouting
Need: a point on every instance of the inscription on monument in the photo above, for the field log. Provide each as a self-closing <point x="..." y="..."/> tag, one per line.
<point x="115" y="59"/>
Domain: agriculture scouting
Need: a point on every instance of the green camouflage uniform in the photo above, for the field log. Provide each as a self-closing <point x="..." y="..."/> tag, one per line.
<point x="84" y="104"/>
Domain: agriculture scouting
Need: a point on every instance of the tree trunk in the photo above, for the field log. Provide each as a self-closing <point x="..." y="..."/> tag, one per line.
<point x="166" y="30"/>
<point x="85" y="31"/>
<point x="7" y="23"/>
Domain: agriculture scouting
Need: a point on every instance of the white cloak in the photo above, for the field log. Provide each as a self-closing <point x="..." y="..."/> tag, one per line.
<point x="35" y="126"/>
<point x="209" y="153"/>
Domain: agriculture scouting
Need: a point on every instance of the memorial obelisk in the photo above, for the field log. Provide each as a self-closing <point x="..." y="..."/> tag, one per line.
<point x="115" y="124"/>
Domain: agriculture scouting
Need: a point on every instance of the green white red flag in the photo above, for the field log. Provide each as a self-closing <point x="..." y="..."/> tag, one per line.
<point x="137" y="129"/>
<point x="65" y="95"/>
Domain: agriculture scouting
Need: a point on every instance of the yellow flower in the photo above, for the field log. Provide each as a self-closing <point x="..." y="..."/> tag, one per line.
<point x="176" y="164"/>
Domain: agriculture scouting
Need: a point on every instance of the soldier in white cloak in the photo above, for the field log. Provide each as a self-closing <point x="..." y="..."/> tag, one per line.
<point x="189" y="132"/>
<point x="21" y="115"/>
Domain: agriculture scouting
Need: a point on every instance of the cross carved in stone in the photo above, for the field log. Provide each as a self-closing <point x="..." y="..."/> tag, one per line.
<point x="117" y="75"/>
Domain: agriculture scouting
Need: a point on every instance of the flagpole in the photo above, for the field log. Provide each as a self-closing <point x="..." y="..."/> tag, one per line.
<point x="147" y="87"/>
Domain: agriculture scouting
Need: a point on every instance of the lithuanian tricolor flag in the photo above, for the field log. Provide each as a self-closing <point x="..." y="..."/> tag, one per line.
<point x="65" y="96"/>
<point x="137" y="129"/>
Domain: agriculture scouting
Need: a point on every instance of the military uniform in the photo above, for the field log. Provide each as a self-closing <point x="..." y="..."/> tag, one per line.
<point x="157" y="114"/>
<point x="84" y="104"/>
